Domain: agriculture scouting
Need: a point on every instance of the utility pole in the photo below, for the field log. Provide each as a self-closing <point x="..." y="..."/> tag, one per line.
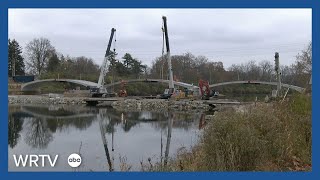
<point x="278" y="73"/>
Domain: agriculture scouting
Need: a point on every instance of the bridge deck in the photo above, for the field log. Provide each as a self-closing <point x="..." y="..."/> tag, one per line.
<point x="27" y="86"/>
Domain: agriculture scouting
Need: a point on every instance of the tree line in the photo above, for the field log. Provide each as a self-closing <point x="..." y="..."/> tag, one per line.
<point x="40" y="58"/>
<point x="189" y="68"/>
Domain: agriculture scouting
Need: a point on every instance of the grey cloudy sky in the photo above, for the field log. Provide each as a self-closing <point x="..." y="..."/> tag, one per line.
<point x="229" y="35"/>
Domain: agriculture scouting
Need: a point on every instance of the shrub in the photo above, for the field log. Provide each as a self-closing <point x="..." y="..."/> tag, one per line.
<point x="269" y="137"/>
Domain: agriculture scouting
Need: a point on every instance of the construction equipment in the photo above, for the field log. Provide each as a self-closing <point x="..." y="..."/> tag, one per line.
<point x="168" y="92"/>
<point x="204" y="89"/>
<point x="100" y="90"/>
<point x="183" y="94"/>
<point x="123" y="91"/>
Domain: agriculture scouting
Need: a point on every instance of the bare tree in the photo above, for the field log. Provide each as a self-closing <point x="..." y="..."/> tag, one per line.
<point x="38" y="135"/>
<point x="287" y="74"/>
<point x="303" y="66"/>
<point x="38" y="52"/>
<point x="236" y="70"/>
<point x="266" y="70"/>
<point x="304" y="60"/>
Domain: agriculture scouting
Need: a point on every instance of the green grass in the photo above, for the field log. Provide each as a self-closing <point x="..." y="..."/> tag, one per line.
<point x="269" y="137"/>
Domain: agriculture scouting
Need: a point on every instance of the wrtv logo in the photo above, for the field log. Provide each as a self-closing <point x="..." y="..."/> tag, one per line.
<point x="35" y="160"/>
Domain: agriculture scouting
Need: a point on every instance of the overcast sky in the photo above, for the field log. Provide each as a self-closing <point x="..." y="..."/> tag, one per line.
<point x="232" y="36"/>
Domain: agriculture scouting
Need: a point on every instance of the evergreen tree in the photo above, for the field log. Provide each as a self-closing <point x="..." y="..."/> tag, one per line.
<point x="53" y="63"/>
<point x="137" y="68"/>
<point x="133" y="66"/>
<point x="15" y="60"/>
<point x="128" y="60"/>
<point x="113" y="62"/>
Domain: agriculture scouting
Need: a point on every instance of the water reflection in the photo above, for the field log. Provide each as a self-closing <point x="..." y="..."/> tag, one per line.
<point x="14" y="128"/>
<point x="104" y="139"/>
<point x="133" y="135"/>
<point x="38" y="134"/>
<point x="170" y="121"/>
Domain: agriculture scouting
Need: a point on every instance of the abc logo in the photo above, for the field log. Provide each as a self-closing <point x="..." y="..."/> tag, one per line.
<point x="74" y="160"/>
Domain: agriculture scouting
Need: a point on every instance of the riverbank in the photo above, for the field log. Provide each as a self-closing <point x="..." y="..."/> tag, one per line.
<point x="266" y="137"/>
<point x="160" y="105"/>
<point x="133" y="103"/>
<point x="44" y="99"/>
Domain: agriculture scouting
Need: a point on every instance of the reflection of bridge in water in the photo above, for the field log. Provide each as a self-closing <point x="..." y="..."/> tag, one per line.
<point x="41" y="124"/>
<point x="103" y="123"/>
<point x="71" y="115"/>
<point x="69" y="112"/>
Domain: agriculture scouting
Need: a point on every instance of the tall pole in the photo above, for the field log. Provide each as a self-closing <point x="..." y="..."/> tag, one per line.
<point x="171" y="86"/>
<point x="278" y="73"/>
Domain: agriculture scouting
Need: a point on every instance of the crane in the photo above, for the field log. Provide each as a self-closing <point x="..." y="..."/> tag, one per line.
<point x="168" y="92"/>
<point x="102" y="126"/>
<point x="100" y="90"/>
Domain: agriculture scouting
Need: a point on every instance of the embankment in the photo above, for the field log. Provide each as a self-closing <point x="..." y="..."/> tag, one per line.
<point x="119" y="103"/>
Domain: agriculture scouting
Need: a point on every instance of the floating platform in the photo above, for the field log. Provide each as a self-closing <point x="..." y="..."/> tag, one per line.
<point x="95" y="101"/>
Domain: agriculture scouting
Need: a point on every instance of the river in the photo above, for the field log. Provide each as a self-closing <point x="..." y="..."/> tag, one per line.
<point x="105" y="138"/>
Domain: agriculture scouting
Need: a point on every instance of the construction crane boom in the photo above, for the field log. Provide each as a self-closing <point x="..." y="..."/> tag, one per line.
<point x="171" y="85"/>
<point x="100" y="90"/>
<point x="104" y="67"/>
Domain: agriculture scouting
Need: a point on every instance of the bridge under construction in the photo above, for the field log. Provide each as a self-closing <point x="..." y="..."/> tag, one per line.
<point x="99" y="89"/>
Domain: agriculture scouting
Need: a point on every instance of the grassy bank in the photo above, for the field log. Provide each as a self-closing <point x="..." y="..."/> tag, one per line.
<point x="268" y="137"/>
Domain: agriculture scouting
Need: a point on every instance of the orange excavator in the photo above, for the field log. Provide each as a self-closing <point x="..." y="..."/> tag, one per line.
<point x="204" y="89"/>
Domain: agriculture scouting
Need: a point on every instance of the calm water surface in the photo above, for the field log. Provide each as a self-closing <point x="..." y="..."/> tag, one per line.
<point x="104" y="137"/>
